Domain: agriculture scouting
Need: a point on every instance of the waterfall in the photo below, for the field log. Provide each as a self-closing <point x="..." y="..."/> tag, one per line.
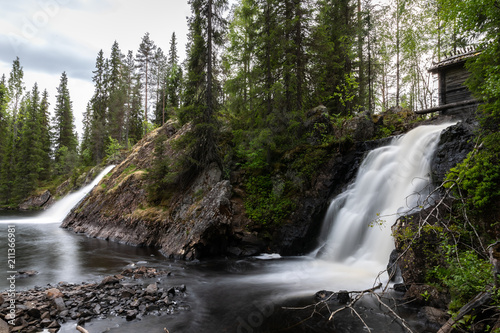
<point x="392" y="181"/>
<point x="63" y="207"/>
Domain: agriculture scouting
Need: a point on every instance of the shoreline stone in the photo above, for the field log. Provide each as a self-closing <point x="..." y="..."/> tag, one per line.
<point x="126" y="295"/>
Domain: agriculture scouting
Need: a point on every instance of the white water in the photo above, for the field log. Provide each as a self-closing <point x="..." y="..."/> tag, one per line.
<point x="63" y="207"/>
<point x="356" y="239"/>
<point x="392" y="181"/>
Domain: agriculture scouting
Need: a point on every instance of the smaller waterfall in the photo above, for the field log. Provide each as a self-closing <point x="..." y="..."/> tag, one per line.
<point x="63" y="207"/>
<point x="392" y="181"/>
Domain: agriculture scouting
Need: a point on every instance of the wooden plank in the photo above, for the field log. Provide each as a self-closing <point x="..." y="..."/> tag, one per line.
<point x="447" y="106"/>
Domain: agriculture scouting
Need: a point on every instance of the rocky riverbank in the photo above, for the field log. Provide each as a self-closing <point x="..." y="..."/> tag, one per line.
<point x="132" y="294"/>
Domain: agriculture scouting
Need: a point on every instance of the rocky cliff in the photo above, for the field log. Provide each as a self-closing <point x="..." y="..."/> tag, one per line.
<point x="197" y="223"/>
<point x="208" y="218"/>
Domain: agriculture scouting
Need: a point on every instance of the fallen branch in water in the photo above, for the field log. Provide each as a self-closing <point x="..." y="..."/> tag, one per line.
<point x="324" y="303"/>
<point x="81" y="329"/>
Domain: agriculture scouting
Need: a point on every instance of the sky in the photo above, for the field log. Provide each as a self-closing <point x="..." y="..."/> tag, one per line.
<point x="55" y="36"/>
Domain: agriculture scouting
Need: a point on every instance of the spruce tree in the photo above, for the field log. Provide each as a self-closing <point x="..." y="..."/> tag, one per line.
<point x="174" y="75"/>
<point x="29" y="150"/>
<point x="160" y="80"/>
<point x="98" y="112"/>
<point x="5" y="143"/>
<point x="206" y="31"/>
<point x="16" y="91"/>
<point x="117" y="95"/>
<point x="64" y="136"/>
<point x="144" y="58"/>
<point x="333" y="40"/>
<point x="45" y="140"/>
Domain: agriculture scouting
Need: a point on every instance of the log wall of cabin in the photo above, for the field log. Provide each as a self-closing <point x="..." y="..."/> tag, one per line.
<point x="451" y="85"/>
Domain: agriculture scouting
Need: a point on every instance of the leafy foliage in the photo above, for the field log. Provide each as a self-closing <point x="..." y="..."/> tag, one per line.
<point x="465" y="274"/>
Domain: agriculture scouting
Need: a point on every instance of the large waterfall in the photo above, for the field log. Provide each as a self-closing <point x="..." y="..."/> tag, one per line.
<point x="356" y="240"/>
<point x="391" y="181"/>
<point x="62" y="208"/>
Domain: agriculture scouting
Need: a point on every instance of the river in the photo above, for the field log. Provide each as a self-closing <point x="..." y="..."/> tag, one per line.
<point x="247" y="295"/>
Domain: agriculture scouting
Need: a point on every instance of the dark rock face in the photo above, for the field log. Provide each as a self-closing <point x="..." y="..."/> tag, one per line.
<point x="196" y="223"/>
<point x="455" y="143"/>
<point x="301" y="233"/>
<point x="40" y="201"/>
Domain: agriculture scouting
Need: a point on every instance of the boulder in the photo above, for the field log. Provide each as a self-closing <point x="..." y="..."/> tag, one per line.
<point x="36" y="202"/>
<point x="454" y="144"/>
<point x="4" y="327"/>
<point x="152" y="289"/>
<point x="53" y="293"/>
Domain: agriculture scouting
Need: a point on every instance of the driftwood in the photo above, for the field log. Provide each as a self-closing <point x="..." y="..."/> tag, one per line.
<point x="471" y="308"/>
<point x="81" y="329"/>
<point x="350" y="306"/>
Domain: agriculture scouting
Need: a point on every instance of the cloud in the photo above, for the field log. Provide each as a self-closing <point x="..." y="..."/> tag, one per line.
<point x="53" y="56"/>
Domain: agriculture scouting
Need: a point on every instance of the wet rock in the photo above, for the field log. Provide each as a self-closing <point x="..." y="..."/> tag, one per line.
<point x="53" y="293"/>
<point x="127" y="293"/>
<point x="4" y="327"/>
<point x="59" y="304"/>
<point x="400" y="287"/>
<point x="152" y="289"/>
<point x="131" y="315"/>
<point x="46" y="308"/>
<point x="393" y="269"/>
<point x="341" y="297"/>
<point x="34" y="312"/>
<point x="24" y="274"/>
<point x="37" y="201"/>
<point x="454" y="144"/>
<point x="433" y="318"/>
<point x="109" y="280"/>
<point x="323" y="295"/>
<point x="425" y="295"/>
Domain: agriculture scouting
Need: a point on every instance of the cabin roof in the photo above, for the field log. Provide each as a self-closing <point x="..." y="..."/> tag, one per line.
<point x="453" y="60"/>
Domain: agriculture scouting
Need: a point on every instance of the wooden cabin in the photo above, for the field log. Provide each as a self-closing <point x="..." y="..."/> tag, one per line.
<point x="454" y="96"/>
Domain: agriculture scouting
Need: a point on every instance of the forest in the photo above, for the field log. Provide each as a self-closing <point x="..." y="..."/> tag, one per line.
<point x="258" y="66"/>
<point x="252" y="75"/>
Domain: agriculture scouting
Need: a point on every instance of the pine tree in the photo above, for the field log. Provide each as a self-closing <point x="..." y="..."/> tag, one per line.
<point x="64" y="136"/>
<point x="144" y="59"/>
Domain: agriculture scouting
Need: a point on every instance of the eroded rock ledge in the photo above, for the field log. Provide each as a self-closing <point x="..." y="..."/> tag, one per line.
<point x="197" y="222"/>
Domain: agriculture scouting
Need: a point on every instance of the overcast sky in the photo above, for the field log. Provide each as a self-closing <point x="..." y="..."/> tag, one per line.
<point x="53" y="36"/>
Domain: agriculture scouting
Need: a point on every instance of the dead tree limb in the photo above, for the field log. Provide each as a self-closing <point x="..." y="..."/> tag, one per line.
<point x="81" y="329"/>
<point x="401" y="320"/>
<point x="471" y="308"/>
